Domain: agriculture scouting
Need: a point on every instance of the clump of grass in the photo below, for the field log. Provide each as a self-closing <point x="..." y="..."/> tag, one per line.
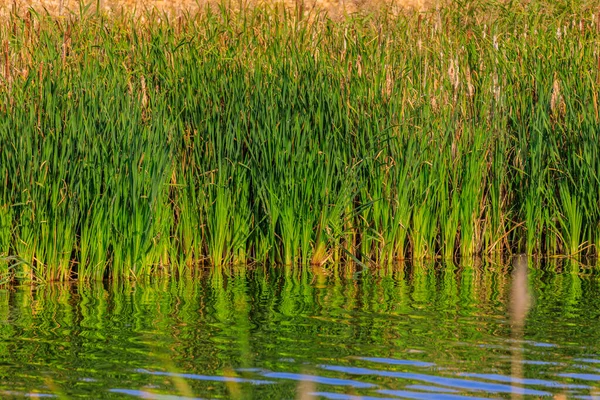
<point x="136" y="145"/>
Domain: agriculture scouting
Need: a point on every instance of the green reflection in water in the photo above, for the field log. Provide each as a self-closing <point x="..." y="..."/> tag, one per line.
<point x="221" y="334"/>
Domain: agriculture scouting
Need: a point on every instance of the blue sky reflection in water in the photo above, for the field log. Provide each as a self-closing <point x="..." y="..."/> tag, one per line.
<point x="420" y="331"/>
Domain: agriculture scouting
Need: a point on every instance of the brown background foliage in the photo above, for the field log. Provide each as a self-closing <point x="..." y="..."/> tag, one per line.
<point x="175" y="7"/>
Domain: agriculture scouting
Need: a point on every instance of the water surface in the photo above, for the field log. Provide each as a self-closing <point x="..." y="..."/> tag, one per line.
<point x="424" y="331"/>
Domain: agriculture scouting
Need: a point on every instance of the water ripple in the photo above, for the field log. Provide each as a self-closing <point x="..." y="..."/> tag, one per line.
<point x="392" y="361"/>
<point x="340" y="396"/>
<point x="428" y="396"/>
<point x="149" y="395"/>
<point x="318" y="379"/>
<point x="452" y="382"/>
<point x="585" y="377"/>
<point x="215" y="378"/>
<point x="524" y="381"/>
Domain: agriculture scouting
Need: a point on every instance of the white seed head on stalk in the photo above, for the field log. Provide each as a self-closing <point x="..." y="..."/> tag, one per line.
<point x="558" y="33"/>
<point x="495" y="42"/>
<point x="470" y="87"/>
<point x="7" y="67"/>
<point x="437" y="26"/>
<point x="345" y="43"/>
<point x="557" y="102"/>
<point x="389" y="82"/>
<point x="496" y="87"/>
<point x="555" y="95"/>
<point x="144" y="91"/>
<point x="453" y="74"/>
<point x="434" y="104"/>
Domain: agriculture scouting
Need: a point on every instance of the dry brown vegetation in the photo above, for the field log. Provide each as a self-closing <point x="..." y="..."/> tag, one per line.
<point x="176" y="7"/>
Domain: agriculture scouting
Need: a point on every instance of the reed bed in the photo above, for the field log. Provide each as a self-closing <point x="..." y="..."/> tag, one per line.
<point x="133" y="146"/>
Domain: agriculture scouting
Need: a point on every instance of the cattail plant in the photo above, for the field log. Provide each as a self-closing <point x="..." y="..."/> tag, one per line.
<point x="133" y="145"/>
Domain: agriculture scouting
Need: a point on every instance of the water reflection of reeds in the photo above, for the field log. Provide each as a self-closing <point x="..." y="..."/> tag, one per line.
<point x="218" y="334"/>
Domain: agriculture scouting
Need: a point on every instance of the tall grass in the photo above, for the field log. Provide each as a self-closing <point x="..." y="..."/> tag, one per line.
<point x="135" y="145"/>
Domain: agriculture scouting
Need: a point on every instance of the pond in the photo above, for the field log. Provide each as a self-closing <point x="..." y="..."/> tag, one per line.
<point x="524" y="329"/>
